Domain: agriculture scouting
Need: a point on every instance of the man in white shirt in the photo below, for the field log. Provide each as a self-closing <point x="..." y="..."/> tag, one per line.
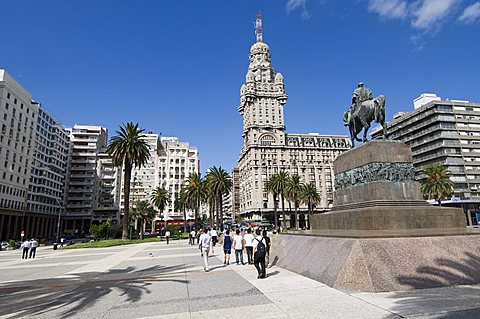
<point x="214" y="235"/>
<point x="238" y="246"/>
<point x="205" y="241"/>
<point x="167" y="236"/>
<point x="249" y="245"/>
<point x="192" y="238"/>
<point x="26" y="247"/>
<point x="33" y="248"/>
<point x="260" y="251"/>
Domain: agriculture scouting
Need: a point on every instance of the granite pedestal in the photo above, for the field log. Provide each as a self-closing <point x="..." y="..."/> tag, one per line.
<point x="375" y="189"/>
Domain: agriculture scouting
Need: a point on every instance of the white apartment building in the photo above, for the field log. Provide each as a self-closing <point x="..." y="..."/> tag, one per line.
<point x="144" y="179"/>
<point x="177" y="160"/>
<point x="268" y="149"/>
<point x="18" y="117"/>
<point x="107" y="191"/>
<point x="47" y="187"/>
<point x="86" y="142"/>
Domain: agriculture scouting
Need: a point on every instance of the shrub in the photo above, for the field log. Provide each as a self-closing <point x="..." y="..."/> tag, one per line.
<point x="102" y="231"/>
<point x="11" y="243"/>
<point x="173" y="229"/>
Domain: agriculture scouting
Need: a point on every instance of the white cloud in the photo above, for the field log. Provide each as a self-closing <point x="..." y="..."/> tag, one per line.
<point x="471" y="13"/>
<point x="427" y="13"/>
<point x="392" y="9"/>
<point x="294" y="4"/>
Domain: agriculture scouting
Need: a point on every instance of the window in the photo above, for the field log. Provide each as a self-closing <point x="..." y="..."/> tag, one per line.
<point x="8" y="95"/>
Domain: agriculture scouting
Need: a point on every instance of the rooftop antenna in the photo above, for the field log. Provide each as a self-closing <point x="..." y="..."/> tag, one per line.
<point x="258" y="27"/>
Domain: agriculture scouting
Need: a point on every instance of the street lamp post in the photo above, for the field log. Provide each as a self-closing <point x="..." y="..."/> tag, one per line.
<point x="58" y="221"/>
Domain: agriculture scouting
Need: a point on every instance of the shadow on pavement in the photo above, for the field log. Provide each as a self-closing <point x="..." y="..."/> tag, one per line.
<point x="80" y="291"/>
<point x="445" y="272"/>
<point x="454" y="301"/>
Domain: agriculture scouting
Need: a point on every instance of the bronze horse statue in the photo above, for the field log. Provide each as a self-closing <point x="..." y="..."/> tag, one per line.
<point x="363" y="116"/>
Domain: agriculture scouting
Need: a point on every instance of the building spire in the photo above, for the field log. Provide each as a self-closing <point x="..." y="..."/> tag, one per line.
<point x="258" y="27"/>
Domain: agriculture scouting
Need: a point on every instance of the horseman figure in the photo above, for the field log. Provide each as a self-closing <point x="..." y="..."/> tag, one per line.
<point x="363" y="110"/>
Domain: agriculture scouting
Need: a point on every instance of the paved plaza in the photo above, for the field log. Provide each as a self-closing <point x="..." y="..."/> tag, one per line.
<point x="153" y="280"/>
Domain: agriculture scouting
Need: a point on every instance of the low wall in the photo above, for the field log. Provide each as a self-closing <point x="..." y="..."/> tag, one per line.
<point x="381" y="264"/>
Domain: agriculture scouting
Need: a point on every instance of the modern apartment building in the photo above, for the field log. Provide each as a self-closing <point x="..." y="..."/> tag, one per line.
<point x="18" y="118"/>
<point x="86" y="142"/>
<point x="445" y="132"/>
<point x="107" y="191"/>
<point x="177" y="160"/>
<point x="268" y="149"/>
<point x="144" y="179"/>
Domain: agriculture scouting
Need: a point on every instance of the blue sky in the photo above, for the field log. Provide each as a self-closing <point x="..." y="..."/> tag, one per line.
<point x="176" y="67"/>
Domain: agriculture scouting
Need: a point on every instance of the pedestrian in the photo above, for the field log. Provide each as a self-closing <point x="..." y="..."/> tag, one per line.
<point x="205" y="241"/>
<point x="227" y="247"/>
<point x="238" y="246"/>
<point x="33" y="248"/>
<point x="192" y="238"/>
<point x="214" y="235"/>
<point x="249" y="245"/>
<point x="61" y="241"/>
<point x="269" y="244"/>
<point x="167" y="235"/>
<point x="260" y="250"/>
<point x="200" y="231"/>
<point x="26" y="247"/>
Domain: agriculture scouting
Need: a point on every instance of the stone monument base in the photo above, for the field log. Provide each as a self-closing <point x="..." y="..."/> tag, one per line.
<point x="381" y="264"/>
<point x="390" y="218"/>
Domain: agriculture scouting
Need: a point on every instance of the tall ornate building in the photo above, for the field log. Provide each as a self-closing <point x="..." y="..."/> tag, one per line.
<point x="268" y="149"/>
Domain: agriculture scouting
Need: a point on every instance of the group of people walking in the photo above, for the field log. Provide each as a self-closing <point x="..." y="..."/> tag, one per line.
<point x="29" y="246"/>
<point x="257" y="247"/>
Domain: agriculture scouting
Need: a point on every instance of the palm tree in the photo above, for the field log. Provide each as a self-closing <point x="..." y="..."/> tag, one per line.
<point x="211" y="201"/>
<point x="128" y="148"/>
<point x="220" y="182"/>
<point x="310" y="196"/>
<point x="142" y="211"/>
<point x="196" y="192"/>
<point x="181" y="204"/>
<point x="270" y="187"/>
<point x="294" y="187"/>
<point x="280" y="185"/>
<point x="436" y="184"/>
<point x="160" y="198"/>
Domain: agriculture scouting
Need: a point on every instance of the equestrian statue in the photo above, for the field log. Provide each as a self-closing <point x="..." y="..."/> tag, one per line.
<point x="363" y="111"/>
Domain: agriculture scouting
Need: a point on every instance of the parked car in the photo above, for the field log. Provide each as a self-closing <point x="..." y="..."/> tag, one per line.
<point x="3" y="245"/>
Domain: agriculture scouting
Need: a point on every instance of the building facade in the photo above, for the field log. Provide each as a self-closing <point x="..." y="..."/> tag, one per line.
<point x="107" y="191"/>
<point x="33" y="165"/>
<point x="445" y="132"/>
<point x="176" y="162"/>
<point x="268" y="149"/>
<point x="86" y="142"/>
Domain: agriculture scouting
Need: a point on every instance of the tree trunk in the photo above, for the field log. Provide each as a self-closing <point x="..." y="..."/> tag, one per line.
<point x="296" y="216"/>
<point x="309" y="215"/>
<point x="220" y="211"/>
<point x="126" y="195"/>
<point x="283" y="213"/>
<point x="275" y="204"/>
<point x="141" y="229"/>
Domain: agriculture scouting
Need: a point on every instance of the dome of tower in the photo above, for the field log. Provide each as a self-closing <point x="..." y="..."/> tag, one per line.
<point x="278" y="78"/>
<point x="259" y="47"/>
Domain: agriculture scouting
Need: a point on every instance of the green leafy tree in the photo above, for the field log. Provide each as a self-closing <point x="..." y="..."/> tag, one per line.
<point x="220" y="183"/>
<point x="293" y="189"/>
<point x="128" y="149"/>
<point x="196" y="192"/>
<point x="310" y="196"/>
<point x="160" y="198"/>
<point x="437" y="183"/>
<point x="142" y="211"/>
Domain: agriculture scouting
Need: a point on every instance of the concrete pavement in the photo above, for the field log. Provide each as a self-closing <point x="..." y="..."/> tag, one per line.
<point x="153" y="280"/>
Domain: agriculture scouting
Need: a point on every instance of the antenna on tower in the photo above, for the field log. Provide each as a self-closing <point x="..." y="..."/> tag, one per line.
<point x="258" y="27"/>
